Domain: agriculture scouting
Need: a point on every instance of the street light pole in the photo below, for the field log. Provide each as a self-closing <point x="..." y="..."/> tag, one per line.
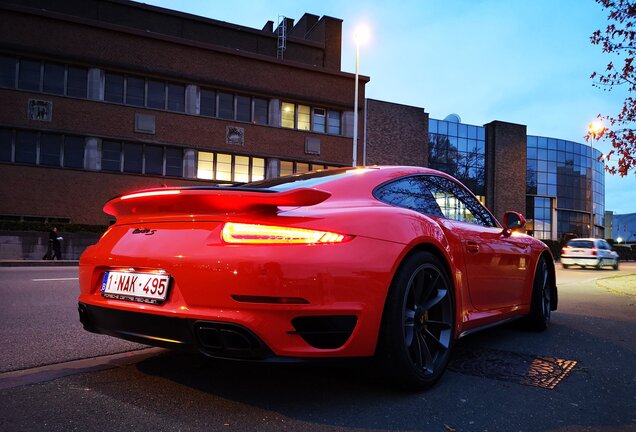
<point x="595" y="130"/>
<point x="360" y="36"/>
<point x="355" y="109"/>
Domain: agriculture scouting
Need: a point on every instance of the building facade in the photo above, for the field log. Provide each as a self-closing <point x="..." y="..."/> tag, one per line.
<point x="101" y="97"/>
<point x="562" y="182"/>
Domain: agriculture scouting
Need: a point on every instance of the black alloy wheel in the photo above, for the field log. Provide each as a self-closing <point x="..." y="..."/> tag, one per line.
<point x="419" y="322"/>
<point x="541" y="306"/>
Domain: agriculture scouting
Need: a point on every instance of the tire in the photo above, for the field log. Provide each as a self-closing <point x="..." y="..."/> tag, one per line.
<point x="418" y="325"/>
<point x="540" y="309"/>
<point x="565" y="266"/>
<point x="615" y="266"/>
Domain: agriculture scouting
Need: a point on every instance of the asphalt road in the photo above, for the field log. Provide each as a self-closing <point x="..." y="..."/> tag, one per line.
<point x="594" y="326"/>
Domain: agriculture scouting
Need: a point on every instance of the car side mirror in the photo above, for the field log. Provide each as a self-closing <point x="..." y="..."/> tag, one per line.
<point x="513" y="221"/>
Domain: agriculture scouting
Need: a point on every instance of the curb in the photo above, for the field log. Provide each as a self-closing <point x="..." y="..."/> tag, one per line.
<point x="38" y="263"/>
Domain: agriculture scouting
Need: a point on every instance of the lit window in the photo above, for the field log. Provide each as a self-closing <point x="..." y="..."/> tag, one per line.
<point x="319" y="120"/>
<point x="288" y="115"/>
<point x="241" y="169"/>
<point x="258" y="169"/>
<point x="286" y="168"/>
<point x="223" y="167"/>
<point x="304" y="117"/>
<point x="302" y="167"/>
<point x="205" y="165"/>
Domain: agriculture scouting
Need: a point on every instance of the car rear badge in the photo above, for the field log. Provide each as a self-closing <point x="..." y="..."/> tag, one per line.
<point x="145" y="231"/>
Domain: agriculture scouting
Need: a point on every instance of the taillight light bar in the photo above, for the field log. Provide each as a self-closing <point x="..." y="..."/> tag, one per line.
<point x="237" y="233"/>
<point x="151" y="193"/>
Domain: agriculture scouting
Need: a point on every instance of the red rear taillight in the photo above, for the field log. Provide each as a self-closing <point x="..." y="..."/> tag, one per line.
<point x="594" y="250"/>
<point x="151" y="193"/>
<point x="563" y="249"/>
<point x="266" y="234"/>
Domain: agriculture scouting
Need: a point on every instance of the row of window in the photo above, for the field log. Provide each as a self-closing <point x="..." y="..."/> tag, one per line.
<point x="453" y="129"/>
<point x="65" y="80"/>
<point x="37" y="76"/>
<point x="139" y="158"/>
<point x="39" y="148"/>
<point x="69" y="151"/>
<point x="561" y="146"/>
<point x="227" y="167"/>
<point x="304" y="117"/>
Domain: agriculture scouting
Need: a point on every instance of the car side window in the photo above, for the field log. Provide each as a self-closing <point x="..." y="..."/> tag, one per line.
<point x="457" y="203"/>
<point x="436" y="196"/>
<point x="411" y="193"/>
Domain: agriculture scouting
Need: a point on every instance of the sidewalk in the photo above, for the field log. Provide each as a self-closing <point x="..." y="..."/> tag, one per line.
<point x="38" y="263"/>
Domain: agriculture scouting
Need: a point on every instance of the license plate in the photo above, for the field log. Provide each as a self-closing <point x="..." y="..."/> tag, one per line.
<point x="132" y="286"/>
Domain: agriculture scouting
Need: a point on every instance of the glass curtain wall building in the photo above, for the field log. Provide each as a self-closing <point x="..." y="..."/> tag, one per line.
<point x="458" y="149"/>
<point x="565" y="182"/>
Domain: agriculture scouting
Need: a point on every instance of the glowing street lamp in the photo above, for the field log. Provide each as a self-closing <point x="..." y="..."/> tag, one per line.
<point x="361" y="36"/>
<point x="595" y="131"/>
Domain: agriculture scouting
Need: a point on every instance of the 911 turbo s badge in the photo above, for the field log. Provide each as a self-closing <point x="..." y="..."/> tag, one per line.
<point x="145" y="231"/>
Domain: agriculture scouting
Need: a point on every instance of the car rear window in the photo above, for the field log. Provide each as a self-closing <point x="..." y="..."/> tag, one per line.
<point x="308" y="180"/>
<point x="583" y="244"/>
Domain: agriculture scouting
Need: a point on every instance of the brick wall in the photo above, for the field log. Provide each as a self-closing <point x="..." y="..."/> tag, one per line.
<point x="396" y="134"/>
<point x="506" y="154"/>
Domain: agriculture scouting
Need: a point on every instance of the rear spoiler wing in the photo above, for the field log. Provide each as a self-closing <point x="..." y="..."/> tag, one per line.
<point x="208" y="200"/>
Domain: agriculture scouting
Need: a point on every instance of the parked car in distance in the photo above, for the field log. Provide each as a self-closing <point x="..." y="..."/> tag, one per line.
<point x="588" y="252"/>
<point x="395" y="263"/>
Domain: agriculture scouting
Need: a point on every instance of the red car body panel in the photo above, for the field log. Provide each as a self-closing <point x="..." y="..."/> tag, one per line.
<point x="492" y="271"/>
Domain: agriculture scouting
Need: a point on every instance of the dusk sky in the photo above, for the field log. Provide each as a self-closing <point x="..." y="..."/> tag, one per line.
<point x="510" y="60"/>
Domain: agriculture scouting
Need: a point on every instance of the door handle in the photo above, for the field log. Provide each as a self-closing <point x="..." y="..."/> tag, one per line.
<point x="472" y="247"/>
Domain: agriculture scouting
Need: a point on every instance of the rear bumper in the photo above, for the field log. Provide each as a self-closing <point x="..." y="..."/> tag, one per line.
<point x="211" y="338"/>
<point x="587" y="261"/>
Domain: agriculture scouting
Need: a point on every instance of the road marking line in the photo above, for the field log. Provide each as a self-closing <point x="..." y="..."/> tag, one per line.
<point x="55" y="279"/>
<point x="52" y="372"/>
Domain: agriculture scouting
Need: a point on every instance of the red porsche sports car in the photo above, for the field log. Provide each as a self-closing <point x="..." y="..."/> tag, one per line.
<point x="391" y="262"/>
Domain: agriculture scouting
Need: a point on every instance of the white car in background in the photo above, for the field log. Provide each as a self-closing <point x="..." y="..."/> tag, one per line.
<point x="590" y="252"/>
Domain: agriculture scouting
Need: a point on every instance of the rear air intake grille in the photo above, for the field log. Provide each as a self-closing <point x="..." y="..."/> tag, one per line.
<point x="325" y="332"/>
<point x="228" y="340"/>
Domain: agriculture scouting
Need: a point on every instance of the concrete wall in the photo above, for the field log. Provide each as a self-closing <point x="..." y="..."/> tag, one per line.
<point x="32" y="245"/>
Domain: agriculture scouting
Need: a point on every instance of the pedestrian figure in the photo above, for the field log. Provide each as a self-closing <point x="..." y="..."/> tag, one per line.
<point x="49" y="252"/>
<point x="57" y="245"/>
